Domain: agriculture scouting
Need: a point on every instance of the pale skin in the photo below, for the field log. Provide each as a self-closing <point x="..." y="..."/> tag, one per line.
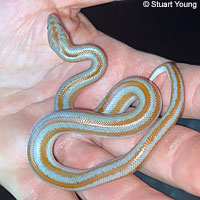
<point x="31" y="73"/>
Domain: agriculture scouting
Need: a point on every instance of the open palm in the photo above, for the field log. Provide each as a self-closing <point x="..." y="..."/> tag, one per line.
<point x="31" y="73"/>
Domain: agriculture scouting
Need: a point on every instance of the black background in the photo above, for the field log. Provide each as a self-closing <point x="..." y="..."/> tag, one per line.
<point x="173" y="33"/>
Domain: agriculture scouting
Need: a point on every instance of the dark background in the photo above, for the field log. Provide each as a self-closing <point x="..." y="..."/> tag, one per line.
<point x="173" y="33"/>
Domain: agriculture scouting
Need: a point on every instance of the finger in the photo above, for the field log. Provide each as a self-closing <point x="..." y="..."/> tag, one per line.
<point x="79" y="152"/>
<point x="174" y="161"/>
<point x="125" y="188"/>
<point x="79" y="4"/>
<point x="190" y="75"/>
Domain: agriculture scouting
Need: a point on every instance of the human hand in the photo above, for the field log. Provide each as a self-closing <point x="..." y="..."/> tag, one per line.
<point x="36" y="74"/>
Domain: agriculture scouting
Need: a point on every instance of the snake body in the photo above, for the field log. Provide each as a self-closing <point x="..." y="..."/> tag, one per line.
<point x="108" y="120"/>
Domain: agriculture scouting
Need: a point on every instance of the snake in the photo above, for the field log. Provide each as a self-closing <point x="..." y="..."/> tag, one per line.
<point x="111" y="119"/>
